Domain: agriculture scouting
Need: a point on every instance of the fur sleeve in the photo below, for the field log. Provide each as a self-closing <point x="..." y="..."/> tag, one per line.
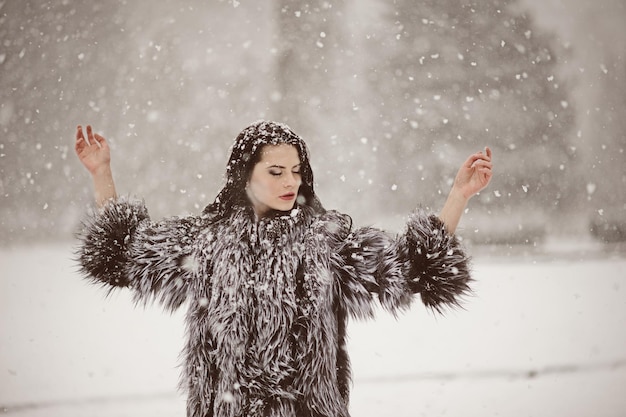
<point x="425" y="259"/>
<point x="438" y="267"/>
<point x="121" y="247"/>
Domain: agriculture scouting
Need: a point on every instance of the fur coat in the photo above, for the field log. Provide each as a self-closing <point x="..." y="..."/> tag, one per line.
<point x="267" y="300"/>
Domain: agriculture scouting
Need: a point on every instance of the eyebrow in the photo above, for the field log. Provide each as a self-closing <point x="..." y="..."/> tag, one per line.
<point x="282" y="167"/>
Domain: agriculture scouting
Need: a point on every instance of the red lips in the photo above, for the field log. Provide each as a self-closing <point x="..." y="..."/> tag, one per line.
<point x="288" y="196"/>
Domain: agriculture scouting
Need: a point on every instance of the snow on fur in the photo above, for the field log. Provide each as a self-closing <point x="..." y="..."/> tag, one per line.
<point x="268" y="300"/>
<point x="440" y="269"/>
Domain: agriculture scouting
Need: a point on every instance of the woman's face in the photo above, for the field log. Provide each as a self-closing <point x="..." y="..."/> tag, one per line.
<point x="275" y="179"/>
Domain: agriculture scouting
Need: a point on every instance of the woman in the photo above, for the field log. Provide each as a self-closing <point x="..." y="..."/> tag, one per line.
<point x="269" y="276"/>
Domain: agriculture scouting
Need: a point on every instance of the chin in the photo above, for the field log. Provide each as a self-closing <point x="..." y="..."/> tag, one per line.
<point x="284" y="207"/>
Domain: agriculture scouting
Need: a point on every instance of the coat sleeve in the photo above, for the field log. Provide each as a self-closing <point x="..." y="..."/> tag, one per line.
<point x="121" y="247"/>
<point x="424" y="259"/>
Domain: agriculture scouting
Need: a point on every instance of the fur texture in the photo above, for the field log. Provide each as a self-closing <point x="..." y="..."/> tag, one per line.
<point x="268" y="300"/>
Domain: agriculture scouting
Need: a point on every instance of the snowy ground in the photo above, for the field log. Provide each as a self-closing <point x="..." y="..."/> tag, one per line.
<point x="543" y="336"/>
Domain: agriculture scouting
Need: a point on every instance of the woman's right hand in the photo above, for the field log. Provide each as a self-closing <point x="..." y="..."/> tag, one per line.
<point x="95" y="155"/>
<point x="93" y="151"/>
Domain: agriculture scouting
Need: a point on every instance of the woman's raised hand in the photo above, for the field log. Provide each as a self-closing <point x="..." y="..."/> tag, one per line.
<point x="93" y="151"/>
<point x="473" y="176"/>
<point x="95" y="155"/>
<point x="475" y="173"/>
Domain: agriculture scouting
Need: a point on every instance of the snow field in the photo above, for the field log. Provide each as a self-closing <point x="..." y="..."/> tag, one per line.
<point x="538" y="338"/>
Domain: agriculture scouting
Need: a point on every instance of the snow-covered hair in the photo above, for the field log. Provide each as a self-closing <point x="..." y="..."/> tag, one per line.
<point x="246" y="153"/>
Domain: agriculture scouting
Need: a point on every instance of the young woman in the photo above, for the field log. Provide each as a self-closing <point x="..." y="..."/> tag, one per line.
<point x="268" y="276"/>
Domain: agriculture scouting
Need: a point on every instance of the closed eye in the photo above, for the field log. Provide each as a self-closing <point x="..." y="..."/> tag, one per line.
<point x="277" y="171"/>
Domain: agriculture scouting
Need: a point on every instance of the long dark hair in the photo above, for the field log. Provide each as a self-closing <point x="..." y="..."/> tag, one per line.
<point x="246" y="153"/>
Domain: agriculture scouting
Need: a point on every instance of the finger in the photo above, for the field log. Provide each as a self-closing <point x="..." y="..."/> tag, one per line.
<point x="486" y="156"/>
<point x="488" y="152"/>
<point x="100" y="139"/>
<point x="80" y="143"/>
<point x="486" y="176"/>
<point x="482" y="163"/>
<point x="471" y="160"/>
<point x="485" y="171"/>
<point x="90" y="134"/>
<point x="485" y="168"/>
<point x="79" y="133"/>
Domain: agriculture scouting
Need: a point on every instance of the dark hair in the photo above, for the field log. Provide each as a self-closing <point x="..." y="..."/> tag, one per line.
<point x="246" y="153"/>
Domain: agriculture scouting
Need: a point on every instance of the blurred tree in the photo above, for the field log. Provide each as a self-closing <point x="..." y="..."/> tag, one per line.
<point x="455" y="76"/>
<point x="606" y="186"/>
<point x="153" y="80"/>
<point x="45" y="50"/>
<point x="391" y="96"/>
<point x="185" y="95"/>
<point x="602" y="133"/>
<point x="315" y="92"/>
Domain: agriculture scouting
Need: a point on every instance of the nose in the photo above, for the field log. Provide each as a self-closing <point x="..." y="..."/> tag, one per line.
<point x="291" y="180"/>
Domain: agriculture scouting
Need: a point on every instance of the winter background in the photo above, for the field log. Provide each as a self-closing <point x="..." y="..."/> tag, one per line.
<point x="391" y="97"/>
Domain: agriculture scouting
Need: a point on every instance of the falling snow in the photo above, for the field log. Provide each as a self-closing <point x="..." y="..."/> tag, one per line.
<point x="391" y="97"/>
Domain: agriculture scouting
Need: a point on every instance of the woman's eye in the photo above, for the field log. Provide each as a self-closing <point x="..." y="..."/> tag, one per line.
<point x="296" y="172"/>
<point x="275" y="173"/>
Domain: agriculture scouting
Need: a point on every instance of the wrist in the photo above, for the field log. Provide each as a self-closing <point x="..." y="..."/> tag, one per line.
<point x="102" y="171"/>
<point x="458" y="195"/>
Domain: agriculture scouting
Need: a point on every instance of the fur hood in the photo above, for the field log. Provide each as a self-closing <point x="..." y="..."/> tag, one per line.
<point x="267" y="300"/>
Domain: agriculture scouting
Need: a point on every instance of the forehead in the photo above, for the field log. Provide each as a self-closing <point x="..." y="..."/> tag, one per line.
<point x="279" y="155"/>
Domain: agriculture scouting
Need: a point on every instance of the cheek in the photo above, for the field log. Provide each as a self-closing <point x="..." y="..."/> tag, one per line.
<point x="260" y="188"/>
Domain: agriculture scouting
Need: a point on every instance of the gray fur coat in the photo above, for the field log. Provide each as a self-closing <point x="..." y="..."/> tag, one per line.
<point x="267" y="300"/>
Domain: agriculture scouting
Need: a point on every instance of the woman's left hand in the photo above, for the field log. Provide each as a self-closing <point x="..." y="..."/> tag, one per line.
<point x="475" y="174"/>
